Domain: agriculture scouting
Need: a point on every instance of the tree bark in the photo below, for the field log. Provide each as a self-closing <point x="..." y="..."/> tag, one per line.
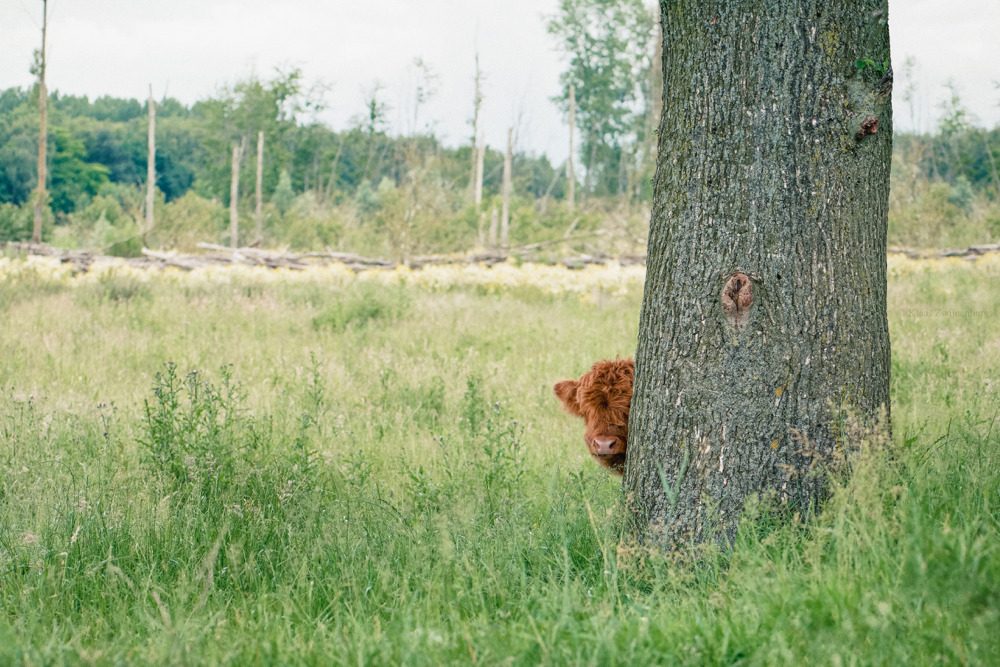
<point x="259" y="213"/>
<point x="43" y="135"/>
<point x="150" y="165"/>
<point x="764" y="312"/>
<point x="508" y="160"/>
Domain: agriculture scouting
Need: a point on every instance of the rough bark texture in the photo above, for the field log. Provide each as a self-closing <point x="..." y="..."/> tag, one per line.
<point x="764" y="314"/>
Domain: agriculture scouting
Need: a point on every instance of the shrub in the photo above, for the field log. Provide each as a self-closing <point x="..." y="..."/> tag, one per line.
<point x="15" y="223"/>
<point x="193" y="429"/>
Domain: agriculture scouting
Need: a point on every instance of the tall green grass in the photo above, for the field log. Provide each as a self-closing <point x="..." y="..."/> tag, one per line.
<point x="252" y="474"/>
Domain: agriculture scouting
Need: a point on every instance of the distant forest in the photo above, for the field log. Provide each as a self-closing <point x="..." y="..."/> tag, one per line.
<point x="342" y="189"/>
<point x="316" y="181"/>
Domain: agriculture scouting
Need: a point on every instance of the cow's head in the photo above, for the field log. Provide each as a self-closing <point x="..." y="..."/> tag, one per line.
<point x="602" y="397"/>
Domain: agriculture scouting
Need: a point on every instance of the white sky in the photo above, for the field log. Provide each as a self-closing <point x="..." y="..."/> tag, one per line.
<point x="189" y="48"/>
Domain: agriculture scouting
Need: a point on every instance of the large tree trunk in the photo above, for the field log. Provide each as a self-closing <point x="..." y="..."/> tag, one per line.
<point x="43" y="135"/>
<point x="764" y="313"/>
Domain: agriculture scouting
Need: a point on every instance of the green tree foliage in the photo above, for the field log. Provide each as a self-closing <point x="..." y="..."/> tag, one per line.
<point x="946" y="185"/>
<point x="72" y="177"/>
<point x="283" y="194"/>
<point x="238" y="113"/>
<point x="606" y="44"/>
<point x="18" y="146"/>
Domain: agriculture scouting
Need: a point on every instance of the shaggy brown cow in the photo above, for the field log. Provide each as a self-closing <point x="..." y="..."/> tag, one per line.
<point x="602" y="397"/>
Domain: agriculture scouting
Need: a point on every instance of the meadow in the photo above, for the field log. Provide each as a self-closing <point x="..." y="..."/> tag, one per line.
<point x="251" y="467"/>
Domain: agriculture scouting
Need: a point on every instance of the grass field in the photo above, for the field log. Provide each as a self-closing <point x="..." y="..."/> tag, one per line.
<point x="249" y="468"/>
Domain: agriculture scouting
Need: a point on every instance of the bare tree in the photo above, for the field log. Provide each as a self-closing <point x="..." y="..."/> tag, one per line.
<point x="480" y="158"/>
<point x="508" y="161"/>
<point x="43" y="138"/>
<point x="234" y="194"/>
<point x="570" y="171"/>
<point x="150" y="165"/>
<point x="475" y="185"/>
<point x="426" y="89"/>
<point x="259" y="214"/>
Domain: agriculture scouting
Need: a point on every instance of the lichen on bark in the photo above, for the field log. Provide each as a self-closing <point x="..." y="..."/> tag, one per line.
<point x="760" y="173"/>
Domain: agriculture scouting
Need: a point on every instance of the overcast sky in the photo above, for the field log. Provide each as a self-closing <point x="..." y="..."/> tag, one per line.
<point x="188" y="49"/>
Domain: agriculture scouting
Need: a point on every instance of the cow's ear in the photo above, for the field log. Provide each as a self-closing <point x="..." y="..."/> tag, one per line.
<point x="566" y="391"/>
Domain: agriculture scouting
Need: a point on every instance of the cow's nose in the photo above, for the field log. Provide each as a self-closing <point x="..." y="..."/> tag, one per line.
<point x="604" y="445"/>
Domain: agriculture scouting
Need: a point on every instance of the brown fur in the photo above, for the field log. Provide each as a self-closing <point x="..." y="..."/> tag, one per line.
<point x="602" y="397"/>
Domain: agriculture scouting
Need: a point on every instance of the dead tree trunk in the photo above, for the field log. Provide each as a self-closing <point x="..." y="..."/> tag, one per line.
<point x="150" y="166"/>
<point x="480" y="158"/>
<point x="259" y="213"/>
<point x="234" y="197"/>
<point x="570" y="171"/>
<point x="507" y="166"/>
<point x="43" y="135"/>
<point x="764" y="312"/>
<point x="475" y="176"/>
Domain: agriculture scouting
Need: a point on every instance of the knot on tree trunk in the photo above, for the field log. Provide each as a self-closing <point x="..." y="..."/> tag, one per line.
<point x="868" y="126"/>
<point x="737" y="297"/>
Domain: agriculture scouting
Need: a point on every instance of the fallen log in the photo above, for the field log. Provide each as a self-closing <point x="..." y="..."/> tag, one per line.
<point x="81" y="260"/>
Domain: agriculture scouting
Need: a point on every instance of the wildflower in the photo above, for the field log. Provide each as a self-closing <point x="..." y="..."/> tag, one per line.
<point x="191" y="464"/>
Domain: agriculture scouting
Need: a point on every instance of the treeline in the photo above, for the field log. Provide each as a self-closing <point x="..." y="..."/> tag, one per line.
<point x="311" y="176"/>
<point x="363" y="190"/>
<point x="357" y="188"/>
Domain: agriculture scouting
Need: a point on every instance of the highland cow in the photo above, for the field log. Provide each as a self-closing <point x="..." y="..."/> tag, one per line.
<point x="602" y="397"/>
